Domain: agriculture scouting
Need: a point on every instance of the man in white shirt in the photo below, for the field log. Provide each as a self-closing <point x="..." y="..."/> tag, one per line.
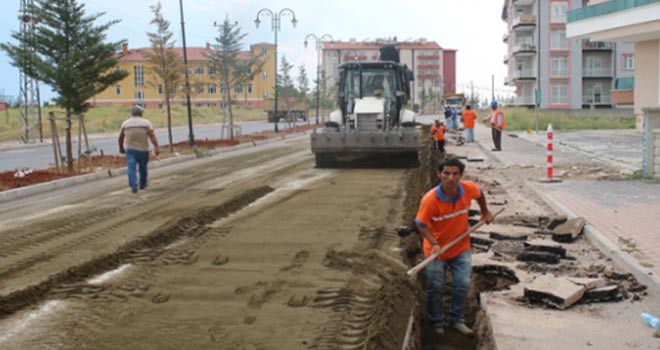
<point x="134" y="139"/>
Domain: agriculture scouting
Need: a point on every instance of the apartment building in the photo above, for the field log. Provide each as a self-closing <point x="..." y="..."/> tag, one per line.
<point x="632" y="21"/>
<point x="563" y="74"/>
<point x="434" y="68"/>
<point x="142" y="86"/>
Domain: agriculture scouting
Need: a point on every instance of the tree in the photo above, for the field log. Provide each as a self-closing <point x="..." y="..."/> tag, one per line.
<point x="68" y="53"/>
<point x="229" y="69"/>
<point x="303" y="86"/>
<point x="166" y="64"/>
<point x="286" y="90"/>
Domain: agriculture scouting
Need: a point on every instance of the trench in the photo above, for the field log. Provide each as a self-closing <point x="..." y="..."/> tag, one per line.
<point x="419" y="333"/>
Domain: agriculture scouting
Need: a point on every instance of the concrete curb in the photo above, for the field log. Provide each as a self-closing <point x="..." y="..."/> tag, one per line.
<point x="27" y="191"/>
<point x="601" y="242"/>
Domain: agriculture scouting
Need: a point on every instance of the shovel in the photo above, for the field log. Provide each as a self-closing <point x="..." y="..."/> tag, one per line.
<point x="413" y="271"/>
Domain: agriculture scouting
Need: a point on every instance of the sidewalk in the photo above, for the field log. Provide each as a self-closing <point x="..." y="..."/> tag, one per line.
<point x="622" y="215"/>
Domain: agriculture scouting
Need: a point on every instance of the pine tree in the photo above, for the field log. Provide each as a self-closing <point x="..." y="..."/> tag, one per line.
<point x="167" y="65"/>
<point x="70" y="55"/>
<point x="229" y="69"/>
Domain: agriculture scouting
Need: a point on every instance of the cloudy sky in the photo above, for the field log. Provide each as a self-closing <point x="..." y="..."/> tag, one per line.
<point x="473" y="27"/>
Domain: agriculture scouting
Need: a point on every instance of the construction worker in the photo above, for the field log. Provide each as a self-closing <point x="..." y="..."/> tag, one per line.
<point x="468" y="122"/>
<point x="442" y="217"/>
<point x="454" y="118"/>
<point x="439" y="137"/>
<point x="448" y="116"/>
<point x="434" y="128"/>
<point x="134" y="135"/>
<point x="496" y="122"/>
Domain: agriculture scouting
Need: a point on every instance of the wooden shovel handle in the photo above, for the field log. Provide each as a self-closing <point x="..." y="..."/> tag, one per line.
<point x="421" y="265"/>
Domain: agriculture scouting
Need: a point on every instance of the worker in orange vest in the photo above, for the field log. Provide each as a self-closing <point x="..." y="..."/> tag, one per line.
<point x="434" y="128"/>
<point x="496" y="122"/>
<point x="439" y="136"/>
<point x="468" y="122"/>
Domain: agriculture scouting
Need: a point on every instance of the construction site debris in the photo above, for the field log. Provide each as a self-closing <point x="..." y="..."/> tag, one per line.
<point x="557" y="292"/>
<point x="569" y="230"/>
<point x="589" y="283"/>
<point x="547" y="246"/>
<point x="507" y="247"/>
<point x="507" y="237"/>
<point x="543" y="257"/>
<point x="603" y="294"/>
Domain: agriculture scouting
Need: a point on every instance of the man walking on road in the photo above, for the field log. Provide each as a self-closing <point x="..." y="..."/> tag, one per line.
<point x="468" y="122"/>
<point x="134" y="139"/>
<point x="496" y="122"/>
<point x="442" y="217"/>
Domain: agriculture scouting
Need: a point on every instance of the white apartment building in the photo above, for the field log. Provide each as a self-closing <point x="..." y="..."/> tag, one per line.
<point x="434" y="68"/>
<point x="563" y="73"/>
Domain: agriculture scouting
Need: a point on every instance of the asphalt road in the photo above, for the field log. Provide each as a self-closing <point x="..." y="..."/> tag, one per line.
<point x="40" y="156"/>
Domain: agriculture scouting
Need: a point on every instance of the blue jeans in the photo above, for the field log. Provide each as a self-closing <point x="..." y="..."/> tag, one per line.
<point x="469" y="135"/>
<point x="140" y="159"/>
<point x="449" y="124"/>
<point x="436" y="273"/>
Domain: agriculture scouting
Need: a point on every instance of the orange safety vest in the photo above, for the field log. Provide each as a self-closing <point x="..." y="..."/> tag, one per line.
<point x="468" y="119"/>
<point x="440" y="133"/>
<point x="493" y="118"/>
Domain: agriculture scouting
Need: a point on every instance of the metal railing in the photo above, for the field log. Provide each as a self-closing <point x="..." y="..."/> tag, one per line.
<point x="524" y="73"/>
<point x="523" y="100"/>
<point x="597" y="72"/>
<point x="596" y="45"/>
<point x="605" y="8"/>
<point x="524" y="47"/>
<point x="526" y="19"/>
<point x="596" y="99"/>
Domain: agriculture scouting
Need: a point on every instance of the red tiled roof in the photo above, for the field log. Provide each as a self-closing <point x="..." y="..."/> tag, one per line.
<point x="347" y="45"/>
<point x="193" y="53"/>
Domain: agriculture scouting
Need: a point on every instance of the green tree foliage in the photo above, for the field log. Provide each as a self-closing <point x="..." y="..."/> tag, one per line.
<point x="166" y="64"/>
<point x="230" y="70"/>
<point x="68" y="53"/>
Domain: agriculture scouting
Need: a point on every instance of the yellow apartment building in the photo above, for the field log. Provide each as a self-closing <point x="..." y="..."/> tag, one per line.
<point x="142" y="86"/>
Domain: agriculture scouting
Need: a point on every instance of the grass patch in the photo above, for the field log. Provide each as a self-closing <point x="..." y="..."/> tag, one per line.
<point x="524" y="118"/>
<point x="109" y="119"/>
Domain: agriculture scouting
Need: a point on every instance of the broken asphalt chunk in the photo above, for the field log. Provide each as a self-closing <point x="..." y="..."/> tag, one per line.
<point x="542" y="257"/>
<point x="557" y="292"/>
<point x="568" y="231"/>
<point x="546" y="246"/>
<point x="603" y="294"/>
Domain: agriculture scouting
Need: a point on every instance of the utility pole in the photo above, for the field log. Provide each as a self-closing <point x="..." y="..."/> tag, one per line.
<point x="191" y="136"/>
<point x="492" y="87"/>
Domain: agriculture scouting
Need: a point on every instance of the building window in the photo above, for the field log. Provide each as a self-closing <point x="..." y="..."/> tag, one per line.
<point x="199" y="89"/>
<point x="139" y="76"/>
<point x="265" y="95"/>
<point x="223" y="90"/>
<point x="238" y="89"/>
<point x="160" y="89"/>
<point x="211" y="89"/>
<point x="139" y="95"/>
<point x="559" y="39"/>
<point x="118" y="90"/>
<point x="559" y="94"/>
<point x="211" y="70"/>
<point x="558" y="12"/>
<point x="250" y="89"/>
<point x="264" y="51"/>
<point x="628" y="62"/>
<point x="560" y="66"/>
<point x="199" y="70"/>
<point x="264" y="75"/>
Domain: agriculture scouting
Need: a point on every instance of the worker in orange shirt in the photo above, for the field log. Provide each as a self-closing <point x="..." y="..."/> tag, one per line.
<point x="434" y="128"/>
<point x="496" y="122"/>
<point x="441" y="218"/>
<point x="439" y="136"/>
<point x="468" y="122"/>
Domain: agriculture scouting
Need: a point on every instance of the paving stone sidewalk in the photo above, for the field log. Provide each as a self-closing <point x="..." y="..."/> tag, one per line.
<point x="624" y="213"/>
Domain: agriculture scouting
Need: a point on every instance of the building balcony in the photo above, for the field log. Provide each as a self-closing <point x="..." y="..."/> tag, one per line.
<point x="428" y="66"/>
<point x="524" y="2"/>
<point x="524" y="100"/>
<point x="527" y="21"/>
<point x="524" y="49"/>
<point x="597" y="99"/>
<point x="623" y="97"/>
<point x="524" y="74"/>
<point x="602" y="72"/>
<point x="596" y="45"/>
<point x="428" y="57"/>
<point x="428" y="76"/>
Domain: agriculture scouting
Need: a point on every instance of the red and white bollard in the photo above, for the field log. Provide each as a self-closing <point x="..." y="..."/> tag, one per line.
<point x="549" y="177"/>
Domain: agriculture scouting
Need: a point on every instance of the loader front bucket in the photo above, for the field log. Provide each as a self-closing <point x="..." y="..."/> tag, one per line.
<point x="366" y="149"/>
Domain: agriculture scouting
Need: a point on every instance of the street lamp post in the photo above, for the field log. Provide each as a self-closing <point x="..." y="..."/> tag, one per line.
<point x="275" y="27"/>
<point x="319" y="42"/>
<point x="191" y="136"/>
